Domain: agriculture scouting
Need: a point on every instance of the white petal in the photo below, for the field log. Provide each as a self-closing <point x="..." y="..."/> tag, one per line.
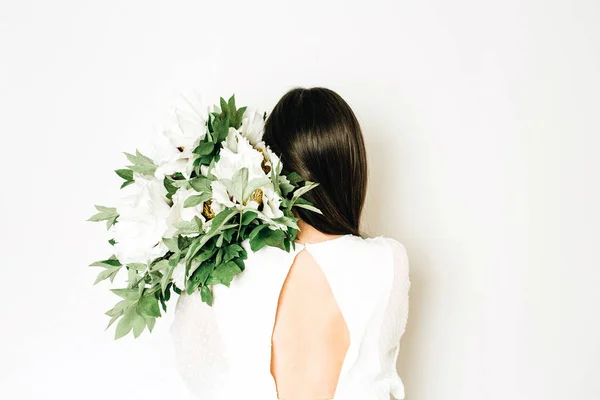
<point x="220" y="195"/>
<point x="252" y="126"/>
<point x="143" y="212"/>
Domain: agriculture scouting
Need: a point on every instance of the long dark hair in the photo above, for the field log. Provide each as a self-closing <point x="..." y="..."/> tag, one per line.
<point x="318" y="136"/>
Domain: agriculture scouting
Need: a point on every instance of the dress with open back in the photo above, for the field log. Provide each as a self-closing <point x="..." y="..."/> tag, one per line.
<point x="223" y="352"/>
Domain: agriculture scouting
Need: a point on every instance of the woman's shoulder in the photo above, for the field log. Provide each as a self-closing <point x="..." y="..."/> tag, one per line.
<point x="386" y="254"/>
<point x="374" y="253"/>
<point x="376" y="245"/>
<point x="380" y="254"/>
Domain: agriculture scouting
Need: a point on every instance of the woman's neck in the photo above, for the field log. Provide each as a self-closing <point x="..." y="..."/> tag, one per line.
<point x="309" y="234"/>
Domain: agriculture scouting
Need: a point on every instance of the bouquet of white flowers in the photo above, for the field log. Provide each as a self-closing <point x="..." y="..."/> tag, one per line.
<point x="210" y="184"/>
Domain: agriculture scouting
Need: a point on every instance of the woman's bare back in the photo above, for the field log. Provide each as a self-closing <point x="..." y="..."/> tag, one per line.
<point x="310" y="337"/>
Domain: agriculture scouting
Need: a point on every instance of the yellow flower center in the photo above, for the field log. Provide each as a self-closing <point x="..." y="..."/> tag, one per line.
<point x="256" y="196"/>
<point x="207" y="210"/>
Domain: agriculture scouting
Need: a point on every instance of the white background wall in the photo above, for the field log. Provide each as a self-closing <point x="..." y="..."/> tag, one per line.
<point x="482" y="126"/>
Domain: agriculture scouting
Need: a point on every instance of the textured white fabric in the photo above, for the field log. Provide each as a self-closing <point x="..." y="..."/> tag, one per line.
<point x="223" y="352"/>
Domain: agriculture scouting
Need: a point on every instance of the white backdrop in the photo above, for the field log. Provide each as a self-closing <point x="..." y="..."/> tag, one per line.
<point x="482" y="125"/>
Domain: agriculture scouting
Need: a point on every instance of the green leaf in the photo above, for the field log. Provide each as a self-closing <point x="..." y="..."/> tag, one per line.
<point x="231" y="104"/>
<point x="198" y="259"/>
<point x="202" y="272"/>
<point x="204" y="148"/>
<point x="126" y="174"/>
<point x="150" y="322"/>
<point x="209" y="127"/>
<point x="105" y="214"/>
<point x="141" y="163"/>
<point x="171" y="244"/>
<point x="267" y="237"/>
<point x="224" y="105"/>
<point x="126" y="183"/>
<point x="127" y="294"/>
<point x="200" y="184"/>
<point x="303" y="203"/>
<point x="111" y="262"/>
<point x="126" y="323"/>
<point x="170" y="186"/>
<point x="219" y="257"/>
<point x="195" y="200"/>
<point x="111" y="222"/>
<point x="142" y="169"/>
<point x="137" y="266"/>
<point x="174" y="259"/>
<point x="108" y="273"/>
<point x="143" y="158"/>
<point x="118" y="309"/>
<point x="131" y="158"/>
<point x="307" y="186"/>
<point x="286" y="188"/>
<point x="189" y="227"/>
<point x="221" y="127"/>
<point x="205" y="254"/>
<point x="221" y="218"/>
<point x="228" y="233"/>
<point x="162" y="299"/>
<point x="206" y="295"/>
<point x="133" y="279"/>
<point x="231" y="252"/>
<point x="205" y="160"/>
<point x="239" y="116"/>
<point x="192" y="286"/>
<point x="287" y="221"/>
<point x="149" y="306"/>
<point x="160" y="265"/>
<point x="248" y="216"/>
<point x="138" y="325"/>
<point x="112" y="242"/>
<point x="224" y="273"/>
<point x="105" y="209"/>
<point x="166" y="279"/>
<point x="293" y="177"/>
<point x="112" y="320"/>
<point x="256" y="230"/>
<point x="183" y="242"/>
<point x="239" y="262"/>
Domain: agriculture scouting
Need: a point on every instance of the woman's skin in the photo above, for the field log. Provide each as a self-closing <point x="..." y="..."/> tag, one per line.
<point x="310" y="337"/>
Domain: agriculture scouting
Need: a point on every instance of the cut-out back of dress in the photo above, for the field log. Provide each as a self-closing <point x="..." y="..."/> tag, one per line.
<point x="224" y="352"/>
<point x="310" y="336"/>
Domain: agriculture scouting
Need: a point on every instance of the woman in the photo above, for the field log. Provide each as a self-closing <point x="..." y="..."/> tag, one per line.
<point x="325" y="320"/>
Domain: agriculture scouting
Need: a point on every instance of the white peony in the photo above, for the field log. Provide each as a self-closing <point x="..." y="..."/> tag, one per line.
<point x="220" y="197"/>
<point x="271" y="202"/>
<point x="231" y="140"/>
<point x="178" y="276"/>
<point x="168" y="159"/>
<point x="173" y="150"/>
<point x="142" y="221"/>
<point x="180" y="213"/>
<point x="188" y="124"/>
<point x="272" y="160"/>
<point x="253" y="126"/>
<point x="237" y="155"/>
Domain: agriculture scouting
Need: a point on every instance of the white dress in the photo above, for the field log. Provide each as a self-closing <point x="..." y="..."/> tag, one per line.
<point x="223" y="352"/>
